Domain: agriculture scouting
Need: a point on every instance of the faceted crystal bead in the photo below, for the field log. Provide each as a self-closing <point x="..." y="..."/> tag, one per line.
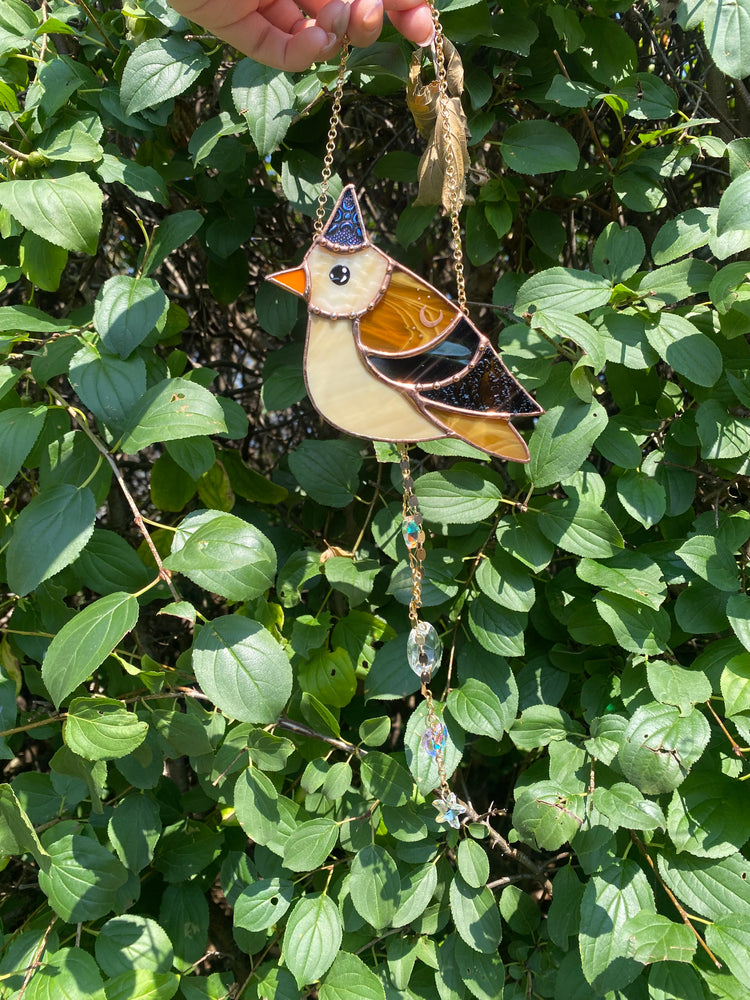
<point x="410" y="531"/>
<point x="433" y="741"/>
<point x="424" y="649"/>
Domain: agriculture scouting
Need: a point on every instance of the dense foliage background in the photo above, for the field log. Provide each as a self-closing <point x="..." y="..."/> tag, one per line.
<point x="210" y="732"/>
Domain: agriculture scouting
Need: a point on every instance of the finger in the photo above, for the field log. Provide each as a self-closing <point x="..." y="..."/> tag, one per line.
<point x="365" y="22"/>
<point x="414" y="21"/>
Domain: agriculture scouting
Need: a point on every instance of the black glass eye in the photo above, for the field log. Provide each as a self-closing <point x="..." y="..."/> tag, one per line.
<point x="339" y="274"/>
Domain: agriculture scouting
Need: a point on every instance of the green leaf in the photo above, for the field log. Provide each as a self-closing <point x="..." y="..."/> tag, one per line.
<point x="564" y="326"/>
<point x="385" y="779"/>
<point x="84" y="642"/>
<point x="562" y="288"/>
<point x="264" y="97"/>
<point x="374" y="885"/>
<point x="169" y="235"/>
<point x="134" y="830"/>
<point x="477" y="709"/>
<point x="143" y="983"/>
<point x="107" y="385"/>
<point x="630" y="574"/>
<point x="42" y="262"/>
<point x="126" y="311"/>
<point x="522" y="538"/>
<point x="475" y="915"/>
<point x="48" y="534"/>
<point x="738" y="613"/>
<point x="658" y="939"/>
<point x="224" y="554"/>
<point x="683" y="234"/>
<point x="19" y="428"/>
<point x="263" y="904"/>
<point x="463" y="495"/>
<point x="350" y="979"/>
<point x="159" y="69"/>
<point x="674" y="685"/>
<point x="69" y="972"/>
<point x="580" y="527"/>
<point x="618" y="252"/>
<point x="727" y="34"/>
<point x="497" y="629"/>
<point x="699" y="821"/>
<point x="642" y="497"/>
<point x="729" y="938"/>
<point x="417" y="891"/>
<point x="710" y="888"/>
<point x="65" y="211"/>
<point x="539" y="147"/>
<point x="17" y="833"/>
<point x="721" y="436"/>
<point x="311" y="844"/>
<point x="562" y="440"/>
<point x="685" y="348"/>
<point x="174" y="408"/>
<point x="547" y="815"/>
<point x="328" y="471"/>
<point x="312" y="938"/>
<point x="143" y="181"/>
<point x="636" y="627"/>
<point x="109" y="564"/>
<point x="710" y="560"/>
<point x="242" y="669"/>
<point x="83" y="878"/>
<point x="473" y="863"/>
<point x="625" y="805"/>
<point x="660" y="746"/>
<point x="506" y="582"/>
<point x="610" y="899"/>
<point x="540" y="724"/>
<point x="132" y="940"/>
<point x="102" y="729"/>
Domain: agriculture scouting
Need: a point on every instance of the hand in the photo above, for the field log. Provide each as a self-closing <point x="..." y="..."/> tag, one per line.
<point x="277" y="33"/>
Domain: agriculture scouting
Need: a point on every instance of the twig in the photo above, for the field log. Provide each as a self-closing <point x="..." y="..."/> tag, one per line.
<point x="92" y="18"/>
<point x="36" y="961"/>
<point x="302" y="730"/>
<point x="13" y="152"/>
<point x="80" y="419"/>
<point x="736" y="749"/>
<point x="679" y="907"/>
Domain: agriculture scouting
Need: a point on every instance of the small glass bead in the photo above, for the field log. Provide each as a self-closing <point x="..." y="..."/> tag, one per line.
<point x="433" y="741"/>
<point x="424" y="650"/>
<point x="410" y="531"/>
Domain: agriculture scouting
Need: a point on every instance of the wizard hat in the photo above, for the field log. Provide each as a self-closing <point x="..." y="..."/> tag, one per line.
<point x="345" y="230"/>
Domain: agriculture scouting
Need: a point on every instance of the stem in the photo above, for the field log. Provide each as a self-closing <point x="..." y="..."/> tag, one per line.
<point x="13" y="152"/>
<point x="80" y="419"/>
<point x="678" y="906"/>
<point x="92" y="18"/>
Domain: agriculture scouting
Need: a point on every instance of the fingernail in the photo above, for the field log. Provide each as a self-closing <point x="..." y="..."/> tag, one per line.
<point x="332" y="39"/>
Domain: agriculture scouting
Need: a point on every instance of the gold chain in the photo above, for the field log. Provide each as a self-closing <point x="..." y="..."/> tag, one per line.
<point x="333" y="128"/>
<point x="451" y="167"/>
<point x="415" y="538"/>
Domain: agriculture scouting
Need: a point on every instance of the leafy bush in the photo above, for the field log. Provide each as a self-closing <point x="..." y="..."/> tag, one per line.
<point x="207" y="715"/>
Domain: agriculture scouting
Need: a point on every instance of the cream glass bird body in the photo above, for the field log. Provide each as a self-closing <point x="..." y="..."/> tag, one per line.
<point x="388" y="357"/>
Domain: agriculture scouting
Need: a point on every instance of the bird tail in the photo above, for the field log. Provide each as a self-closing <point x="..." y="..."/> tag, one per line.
<point x="491" y="434"/>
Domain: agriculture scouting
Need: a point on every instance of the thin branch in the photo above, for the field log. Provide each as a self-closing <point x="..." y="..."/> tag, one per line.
<point x="678" y="906"/>
<point x="79" y="418"/>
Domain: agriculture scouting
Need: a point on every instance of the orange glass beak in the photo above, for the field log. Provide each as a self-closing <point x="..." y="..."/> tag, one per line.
<point x="294" y="280"/>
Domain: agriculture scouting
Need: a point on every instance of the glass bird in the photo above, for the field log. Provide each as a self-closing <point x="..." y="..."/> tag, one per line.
<point x="388" y="357"/>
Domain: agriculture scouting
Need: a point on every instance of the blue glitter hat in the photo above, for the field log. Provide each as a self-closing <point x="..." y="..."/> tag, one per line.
<point x="345" y="228"/>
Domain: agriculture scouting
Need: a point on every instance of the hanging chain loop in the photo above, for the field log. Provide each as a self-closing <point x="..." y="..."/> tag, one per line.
<point x="452" y="170"/>
<point x="333" y="128"/>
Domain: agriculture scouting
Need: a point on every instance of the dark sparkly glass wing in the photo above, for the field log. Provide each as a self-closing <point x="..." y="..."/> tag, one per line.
<point x="345" y="227"/>
<point x="487" y="387"/>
